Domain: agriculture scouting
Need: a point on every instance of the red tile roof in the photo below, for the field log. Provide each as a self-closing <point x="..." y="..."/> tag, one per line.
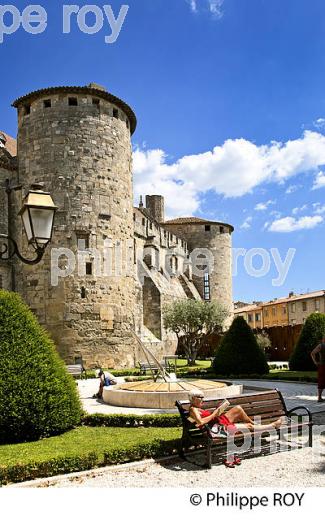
<point x="11" y="144"/>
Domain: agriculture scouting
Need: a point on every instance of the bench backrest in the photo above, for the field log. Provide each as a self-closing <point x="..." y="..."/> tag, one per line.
<point x="268" y="406"/>
<point x="75" y="370"/>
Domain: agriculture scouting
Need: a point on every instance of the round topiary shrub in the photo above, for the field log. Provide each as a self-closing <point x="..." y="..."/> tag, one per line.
<point x="38" y="398"/>
<point x="312" y="332"/>
<point x="239" y="352"/>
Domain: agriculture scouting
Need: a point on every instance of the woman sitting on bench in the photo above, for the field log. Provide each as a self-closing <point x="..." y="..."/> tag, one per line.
<point x="233" y="420"/>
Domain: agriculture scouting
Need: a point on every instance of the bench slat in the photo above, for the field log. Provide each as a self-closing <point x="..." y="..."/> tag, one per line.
<point x="252" y="407"/>
<point x="75" y="370"/>
<point x="237" y="400"/>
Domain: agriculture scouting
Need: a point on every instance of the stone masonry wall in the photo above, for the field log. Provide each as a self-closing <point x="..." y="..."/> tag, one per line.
<point x="217" y="239"/>
<point x="83" y="155"/>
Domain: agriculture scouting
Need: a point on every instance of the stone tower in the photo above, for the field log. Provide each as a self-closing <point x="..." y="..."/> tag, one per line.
<point x="155" y="205"/>
<point x="216" y="237"/>
<point x="77" y="142"/>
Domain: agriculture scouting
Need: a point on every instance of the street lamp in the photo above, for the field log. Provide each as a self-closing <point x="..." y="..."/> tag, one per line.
<point x="37" y="214"/>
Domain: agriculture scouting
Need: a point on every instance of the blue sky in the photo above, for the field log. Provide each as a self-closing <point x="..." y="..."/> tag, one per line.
<point x="230" y="101"/>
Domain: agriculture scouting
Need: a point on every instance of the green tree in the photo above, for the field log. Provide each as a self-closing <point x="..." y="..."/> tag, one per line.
<point x="38" y="398"/>
<point x="263" y="341"/>
<point x="194" y="320"/>
<point x="312" y="332"/>
<point x="239" y="352"/>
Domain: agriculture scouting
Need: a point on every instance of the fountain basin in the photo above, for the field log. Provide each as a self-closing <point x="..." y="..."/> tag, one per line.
<point x="156" y="395"/>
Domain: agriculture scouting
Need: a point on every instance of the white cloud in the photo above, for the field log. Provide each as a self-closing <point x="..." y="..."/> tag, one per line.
<point x="153" y="176"/>
<point x="292" y="188"/>
<point x="193" y="5"/>
<point x="276" y="214"/>
<point x="262" y="206"/>
<point x="289" y="224"/>
<point x="295" y="211"/>
<point x="214" y="6"/>
<point x="247" y="223"/>
<point x="319" y="181"/>
<point x="319" y="123"/>
<point x="318" y="208"/>
<point x="232" y="169"/>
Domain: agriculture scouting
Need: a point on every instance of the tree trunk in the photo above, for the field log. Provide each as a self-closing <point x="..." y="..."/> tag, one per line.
<point x="192" y="346"/>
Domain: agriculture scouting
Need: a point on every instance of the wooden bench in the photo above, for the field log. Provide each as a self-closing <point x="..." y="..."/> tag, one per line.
<point x="149" y="367"/>
<point x="76" y="370"/>
<point x="267" y="406"/>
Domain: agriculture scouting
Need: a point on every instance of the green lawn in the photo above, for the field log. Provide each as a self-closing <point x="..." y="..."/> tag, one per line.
<point x="292" y="375"/>
<point x="200" y="363"/>
<point x="81" y="441"/>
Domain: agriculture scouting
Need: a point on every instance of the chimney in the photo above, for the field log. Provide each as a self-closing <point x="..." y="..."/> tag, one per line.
<point x="155" y="205"/>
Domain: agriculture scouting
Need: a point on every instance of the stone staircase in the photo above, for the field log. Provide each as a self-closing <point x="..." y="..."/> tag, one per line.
<point x="189" y="288"/>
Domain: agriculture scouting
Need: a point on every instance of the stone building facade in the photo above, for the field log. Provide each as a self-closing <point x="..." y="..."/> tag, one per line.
<point x="110" y="268"/>
<point x="8" y="170"/>
<point x="281" y="312"/>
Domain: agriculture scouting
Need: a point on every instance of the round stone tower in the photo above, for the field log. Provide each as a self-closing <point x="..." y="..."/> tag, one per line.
<point x="216" y="237"/>
<point x="77" y="142"/>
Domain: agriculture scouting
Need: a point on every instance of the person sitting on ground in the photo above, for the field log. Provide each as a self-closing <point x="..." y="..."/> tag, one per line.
<point x="318" y="357"/>
<point x="105" y="379"/>
<point x="235" y="419"/>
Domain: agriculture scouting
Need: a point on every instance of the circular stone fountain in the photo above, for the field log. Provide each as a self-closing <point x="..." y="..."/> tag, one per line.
<point x="150" y="394"/>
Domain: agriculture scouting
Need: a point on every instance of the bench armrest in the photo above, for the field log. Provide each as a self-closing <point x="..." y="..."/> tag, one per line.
<point x="300" y="408"/>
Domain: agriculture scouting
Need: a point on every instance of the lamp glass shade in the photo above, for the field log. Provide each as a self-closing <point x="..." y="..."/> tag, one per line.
<point x="42" y="222"/>
<point x="27" y="224"/>
<point x="37" y="215"/>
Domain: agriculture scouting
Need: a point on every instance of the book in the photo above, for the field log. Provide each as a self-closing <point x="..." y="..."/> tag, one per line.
<point x="223" y="407"/>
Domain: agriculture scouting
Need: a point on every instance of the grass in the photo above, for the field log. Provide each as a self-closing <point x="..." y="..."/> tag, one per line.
<point x="200" y="363"/>
<point x="292" y="375"/>
<point x="81" y="441"/>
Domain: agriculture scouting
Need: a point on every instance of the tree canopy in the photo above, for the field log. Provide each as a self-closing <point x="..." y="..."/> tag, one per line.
<point x="312" y="332"/>
<point x="194" y="320"/>
<point x="239" y="352"/>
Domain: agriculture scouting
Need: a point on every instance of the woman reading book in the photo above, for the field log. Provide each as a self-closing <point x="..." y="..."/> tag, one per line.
<point x="232" y="420"/>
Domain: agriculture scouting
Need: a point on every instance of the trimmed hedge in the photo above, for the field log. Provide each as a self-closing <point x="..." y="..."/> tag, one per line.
<point x="239" y="352"/>
<point x="131" y="421"/>
<point x="153" y="449"/>
<point x="195" y="372"/>
<point x="49" y="468"/>
<point x="38" y="398"/>
<point x="312" y="333"/>
<point x="64" y="465"/>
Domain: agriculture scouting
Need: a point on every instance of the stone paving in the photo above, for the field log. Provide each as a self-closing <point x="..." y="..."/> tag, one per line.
<point x="295" y="394"/>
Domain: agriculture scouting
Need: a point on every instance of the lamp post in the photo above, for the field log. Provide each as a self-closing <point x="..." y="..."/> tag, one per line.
<point x="37" y="214"/>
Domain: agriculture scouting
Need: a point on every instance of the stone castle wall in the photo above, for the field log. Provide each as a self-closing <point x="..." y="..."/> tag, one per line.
<point x="4" y="268"/>
<point x="217" y="239"/>
<point x="83" y="156"/>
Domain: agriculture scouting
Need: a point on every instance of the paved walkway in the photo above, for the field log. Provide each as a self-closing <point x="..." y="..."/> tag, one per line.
<point x="295" y="394"/>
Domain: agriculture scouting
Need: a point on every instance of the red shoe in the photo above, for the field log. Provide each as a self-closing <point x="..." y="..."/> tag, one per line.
<point x="237" y="460"/>
<point x="229" y="464"/>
